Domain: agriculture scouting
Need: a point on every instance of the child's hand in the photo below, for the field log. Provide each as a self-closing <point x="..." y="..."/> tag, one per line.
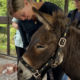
<point x="8" y="68"/>
<point x="11" y="68"/>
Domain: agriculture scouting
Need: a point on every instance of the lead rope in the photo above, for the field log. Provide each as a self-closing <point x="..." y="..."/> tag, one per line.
<point x="51" y="74"/>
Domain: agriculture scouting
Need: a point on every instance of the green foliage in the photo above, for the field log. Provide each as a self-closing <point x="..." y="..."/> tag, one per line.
<point x="3" y="40"/>
<point x="71" y="5"/>
<point x="3" y="30"/>
<point x="3" y="43"/>
<point x="3" y="7"/>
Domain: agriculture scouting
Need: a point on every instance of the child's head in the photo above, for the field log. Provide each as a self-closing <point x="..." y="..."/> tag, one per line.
<point x="77" y="4"/>
<point x="20" y="9"/>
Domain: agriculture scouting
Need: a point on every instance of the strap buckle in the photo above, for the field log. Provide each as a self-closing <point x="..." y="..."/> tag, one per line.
<point x="36" y="74"/>
<point x="62" y="42"/>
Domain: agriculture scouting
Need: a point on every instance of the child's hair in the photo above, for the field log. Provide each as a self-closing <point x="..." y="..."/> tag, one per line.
<point x="15" y="5"/>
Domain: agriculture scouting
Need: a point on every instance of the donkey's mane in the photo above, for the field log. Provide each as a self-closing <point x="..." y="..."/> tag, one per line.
<point x="75" y="29"/>
<point x="59" y="15"/>
<point x="62" y="16"/>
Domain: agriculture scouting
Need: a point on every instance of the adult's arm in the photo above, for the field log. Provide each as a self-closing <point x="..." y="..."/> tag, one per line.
<point x="14" y="23"/>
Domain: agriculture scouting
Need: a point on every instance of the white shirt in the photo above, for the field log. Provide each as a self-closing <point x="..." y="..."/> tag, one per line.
<point x="17" y="37"/>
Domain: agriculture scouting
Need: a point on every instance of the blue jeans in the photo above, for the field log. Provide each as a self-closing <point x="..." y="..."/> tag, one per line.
<point x="65" y="77"/>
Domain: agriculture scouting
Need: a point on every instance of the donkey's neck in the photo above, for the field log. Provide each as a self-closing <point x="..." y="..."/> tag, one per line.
<point x="73" y="40"/>
<point x="71" y="52"/>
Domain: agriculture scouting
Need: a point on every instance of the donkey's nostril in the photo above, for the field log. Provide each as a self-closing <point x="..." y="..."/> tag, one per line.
<point x="21" y="71"/>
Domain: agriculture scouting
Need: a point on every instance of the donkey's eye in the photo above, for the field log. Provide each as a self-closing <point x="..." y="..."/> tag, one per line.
<point x="40" y="46"/>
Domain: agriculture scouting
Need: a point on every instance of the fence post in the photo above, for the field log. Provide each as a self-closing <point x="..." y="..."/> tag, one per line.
<point x="66" y="6"/>
<point x="8" y="33"/>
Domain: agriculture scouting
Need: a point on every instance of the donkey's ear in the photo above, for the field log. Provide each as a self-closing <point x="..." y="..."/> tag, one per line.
<point x="74" y="23"/>
<point x="44" y="18"/>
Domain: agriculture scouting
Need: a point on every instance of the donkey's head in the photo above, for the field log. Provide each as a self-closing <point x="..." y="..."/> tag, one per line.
<point x="44" y="42"/>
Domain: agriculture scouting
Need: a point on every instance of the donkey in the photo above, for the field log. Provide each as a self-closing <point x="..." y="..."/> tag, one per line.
<point x="44" y="43"/>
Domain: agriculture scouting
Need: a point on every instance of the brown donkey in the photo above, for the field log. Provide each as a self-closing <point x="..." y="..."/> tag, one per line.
<point x="44" y="43"/>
